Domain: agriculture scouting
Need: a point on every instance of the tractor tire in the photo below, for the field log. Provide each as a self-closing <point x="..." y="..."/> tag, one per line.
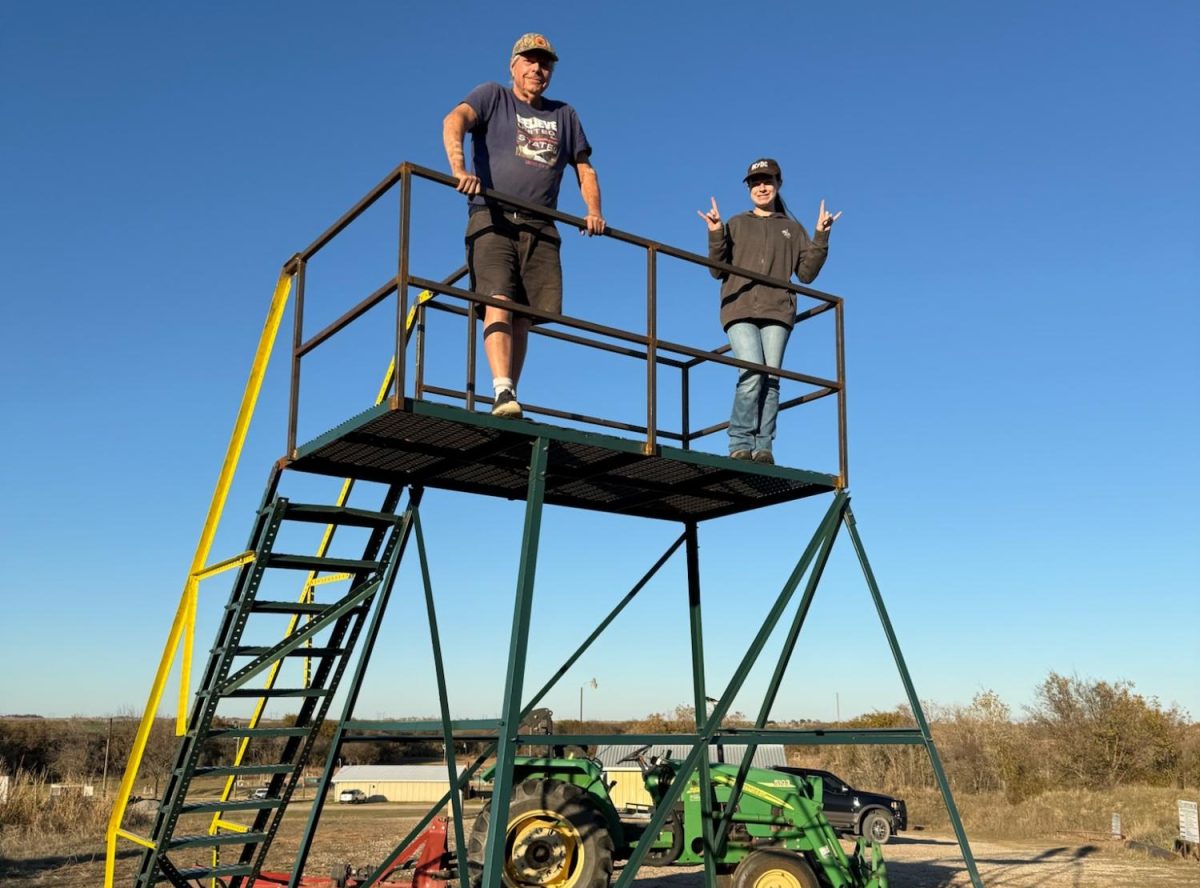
<point x="877" y="827"/>
<point x="556" y="838"/>
<point x="774" y="868"/>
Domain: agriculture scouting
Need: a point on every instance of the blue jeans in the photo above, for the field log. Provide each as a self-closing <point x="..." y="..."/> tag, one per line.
<point x="756" y="398"/>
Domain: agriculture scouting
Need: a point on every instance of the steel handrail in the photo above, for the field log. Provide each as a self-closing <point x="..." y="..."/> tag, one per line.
<point x="407" y="168"/>
<point x="617" y="333"/>
<point x="682" y="356"/>
<point x="624" y="236"/>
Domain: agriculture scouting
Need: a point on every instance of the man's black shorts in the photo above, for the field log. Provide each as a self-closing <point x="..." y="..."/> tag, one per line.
<point x="515" y="257"/>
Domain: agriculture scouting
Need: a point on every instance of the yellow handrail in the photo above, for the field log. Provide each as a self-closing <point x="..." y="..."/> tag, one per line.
<point x="184" y="623"/>
<point x="312" y="581"/>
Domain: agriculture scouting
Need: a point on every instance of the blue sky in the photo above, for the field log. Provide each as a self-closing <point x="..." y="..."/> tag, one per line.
<point x="1018" y="254"/>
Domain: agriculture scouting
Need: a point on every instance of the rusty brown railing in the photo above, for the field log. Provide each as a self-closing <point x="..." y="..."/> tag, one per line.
<point x="646" y="346"/>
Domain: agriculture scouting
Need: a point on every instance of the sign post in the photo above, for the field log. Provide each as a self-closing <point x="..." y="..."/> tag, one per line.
<point x="1188" y="843"/>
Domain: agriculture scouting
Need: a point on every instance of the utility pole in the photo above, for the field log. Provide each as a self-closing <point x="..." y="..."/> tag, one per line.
<point x="593" y="685"/>
<point x="107" y="746"/>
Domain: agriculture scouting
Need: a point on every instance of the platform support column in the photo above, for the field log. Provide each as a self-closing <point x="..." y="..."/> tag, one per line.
<point x="510" y="717"/>
<point x="913" y="701"/>
<point x="700" y="696"/>
<point x="827" y="533"/>
<point x="460" y="842"/>
<point x="721" y="707"/>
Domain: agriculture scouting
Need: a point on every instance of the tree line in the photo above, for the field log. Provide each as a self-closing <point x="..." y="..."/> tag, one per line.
<point x="1078" y="733"/>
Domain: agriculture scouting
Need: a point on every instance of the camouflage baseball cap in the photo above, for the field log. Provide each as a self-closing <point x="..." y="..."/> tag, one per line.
<point x="534" y="43"/>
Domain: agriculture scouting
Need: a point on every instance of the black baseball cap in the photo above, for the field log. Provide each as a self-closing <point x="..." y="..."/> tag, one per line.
<point x="764" y="166"/>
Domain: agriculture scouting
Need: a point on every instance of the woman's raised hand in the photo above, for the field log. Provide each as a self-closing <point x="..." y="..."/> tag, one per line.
<point x="713" y="216"/>
<point x="825" y="219"/>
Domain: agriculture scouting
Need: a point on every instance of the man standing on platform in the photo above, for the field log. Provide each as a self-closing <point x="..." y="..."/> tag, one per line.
<point x="521" y="144"/>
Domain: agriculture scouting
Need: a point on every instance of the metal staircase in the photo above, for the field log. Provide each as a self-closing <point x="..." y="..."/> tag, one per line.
<point x="232" y="664"/>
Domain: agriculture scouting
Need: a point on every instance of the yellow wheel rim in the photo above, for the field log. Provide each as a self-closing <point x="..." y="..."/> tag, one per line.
<point x="777" y="878"/>
<point x="543" y="849"/>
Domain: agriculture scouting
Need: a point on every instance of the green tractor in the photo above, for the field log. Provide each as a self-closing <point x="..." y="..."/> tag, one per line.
<point x="565" y="832"/>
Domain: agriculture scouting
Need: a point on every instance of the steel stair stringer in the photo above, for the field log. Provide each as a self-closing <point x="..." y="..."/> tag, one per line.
<point x="343" y="619"/>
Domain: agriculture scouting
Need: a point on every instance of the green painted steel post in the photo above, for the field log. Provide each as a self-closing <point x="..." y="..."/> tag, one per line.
<point x="604" y="624"/>
<point x="768" y="626"/>
<point x="360" y="668"/>
<point x="828" y="530"/>
<point x="700" y="697"/>
<point x="735" y="685"/>
<point x="479" y="760"/>
<point x="674" y="791"/>
<point x="510" y="717"/>
<point x="913" y="701"/>
<point x="460" y="844"/>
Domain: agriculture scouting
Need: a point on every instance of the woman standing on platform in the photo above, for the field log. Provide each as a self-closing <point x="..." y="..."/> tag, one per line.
<point x="758" y="318"/>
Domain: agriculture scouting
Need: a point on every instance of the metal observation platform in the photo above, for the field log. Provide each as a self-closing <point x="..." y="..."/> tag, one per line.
<point x="433" y="445"/>
<point x="422" y="436"/>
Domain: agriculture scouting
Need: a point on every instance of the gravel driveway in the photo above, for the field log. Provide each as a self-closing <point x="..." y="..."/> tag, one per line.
<point x="931" y="861"/>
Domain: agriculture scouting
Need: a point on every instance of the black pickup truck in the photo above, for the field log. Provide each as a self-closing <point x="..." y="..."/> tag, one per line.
<point x="851" y="810"/>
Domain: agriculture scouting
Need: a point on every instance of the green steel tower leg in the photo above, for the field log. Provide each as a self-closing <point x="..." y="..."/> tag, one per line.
<point x="460" y="842"/>
<point x="828" y="533"/>
<point x="721" y="707"/>
<point x="510" y="717"/>
<point x="700" y="697"/>
<point x="478" y="762"/>
<point x="915" y="703"/>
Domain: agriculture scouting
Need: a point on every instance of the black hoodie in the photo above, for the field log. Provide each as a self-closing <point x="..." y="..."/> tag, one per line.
<point x="775" y="246"/>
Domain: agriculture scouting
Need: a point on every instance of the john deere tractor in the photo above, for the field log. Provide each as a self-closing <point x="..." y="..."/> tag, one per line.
<point x="565" y="832"/>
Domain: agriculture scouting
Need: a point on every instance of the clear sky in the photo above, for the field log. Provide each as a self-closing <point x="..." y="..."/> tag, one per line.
<point x="1018" y="254"/>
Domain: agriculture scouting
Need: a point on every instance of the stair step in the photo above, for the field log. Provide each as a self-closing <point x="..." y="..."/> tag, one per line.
<point x="214" y="805"/>
<point x="314" y="652"/>
<point x="315" y="562"/>
<point x="277" y="692"/>
<point x="288" y="607"/>
<point x="338" y="515"/>
<point x="211" y="872"/>
<point x="243" y="770"/>
<point x="205" y="840"/>
<point x="259" y="732"/>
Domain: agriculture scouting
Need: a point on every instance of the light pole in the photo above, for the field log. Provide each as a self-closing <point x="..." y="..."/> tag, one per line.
<point x="593" y="686"/>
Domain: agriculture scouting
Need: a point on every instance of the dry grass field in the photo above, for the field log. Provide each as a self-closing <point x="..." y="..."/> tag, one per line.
<point x="1025" y="848"/>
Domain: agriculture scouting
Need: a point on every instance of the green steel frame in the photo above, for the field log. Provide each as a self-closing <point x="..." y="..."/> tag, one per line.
<point x="505" y="735"/>
<point x="715" y="486"/>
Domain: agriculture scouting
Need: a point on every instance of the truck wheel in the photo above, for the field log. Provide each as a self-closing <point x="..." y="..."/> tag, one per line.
<point x="555" y="838"/>
<point x="877" y="826"/>
<point x="774" y="868"/>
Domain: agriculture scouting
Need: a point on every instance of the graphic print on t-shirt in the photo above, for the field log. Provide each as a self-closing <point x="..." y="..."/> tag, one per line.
<point x="537" y="140"/>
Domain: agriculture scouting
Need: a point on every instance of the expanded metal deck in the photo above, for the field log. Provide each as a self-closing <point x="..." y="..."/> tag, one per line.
<point x="440" y="446"/>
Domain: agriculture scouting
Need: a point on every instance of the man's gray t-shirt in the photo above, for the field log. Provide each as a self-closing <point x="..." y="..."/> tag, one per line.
<point x="522" y="150"/>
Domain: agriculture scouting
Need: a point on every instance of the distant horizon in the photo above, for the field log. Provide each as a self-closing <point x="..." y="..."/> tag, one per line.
<point x="932" y="709"/>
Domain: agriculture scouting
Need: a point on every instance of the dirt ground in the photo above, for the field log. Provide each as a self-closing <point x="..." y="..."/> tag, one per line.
<point x="367" y="834"/>
<point x="936" y="862"/>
